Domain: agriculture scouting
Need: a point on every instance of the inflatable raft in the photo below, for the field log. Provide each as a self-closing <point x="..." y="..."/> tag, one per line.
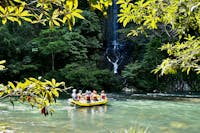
<point x="84" y="104"/>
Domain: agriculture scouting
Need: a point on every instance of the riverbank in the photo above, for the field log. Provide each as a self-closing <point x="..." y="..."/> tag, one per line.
<point x="156" y="96"/>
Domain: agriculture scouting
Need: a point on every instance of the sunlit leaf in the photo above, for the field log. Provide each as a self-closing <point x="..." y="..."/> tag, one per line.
<point x="2" y="10"/>
<point x="78" y="15"/>
<point x="11" y="85"/>
<point x="4" y="20"/>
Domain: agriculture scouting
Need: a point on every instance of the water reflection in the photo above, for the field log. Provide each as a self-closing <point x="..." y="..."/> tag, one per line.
<point x="95" y="110"/>
<point x="87" y="119"/>
<point x="157" y="116"/>
<point x="86" y="113"/>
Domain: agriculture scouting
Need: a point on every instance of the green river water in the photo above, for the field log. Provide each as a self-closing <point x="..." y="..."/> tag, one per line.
<point x="118" y="115"/>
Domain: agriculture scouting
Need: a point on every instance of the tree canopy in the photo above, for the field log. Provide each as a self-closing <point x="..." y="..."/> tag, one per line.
<point x="181" y="22"/>
<point x="179" y="17"/>
<point x="51" y="12"/>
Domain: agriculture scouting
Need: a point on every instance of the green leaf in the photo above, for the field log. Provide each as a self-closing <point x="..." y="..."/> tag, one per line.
<point x="11" y="85"/>
<point x="78" y="15"/>
<point x="55" y="92"/>
<point x="2" y="62"/>
<point x="188" y="71"/>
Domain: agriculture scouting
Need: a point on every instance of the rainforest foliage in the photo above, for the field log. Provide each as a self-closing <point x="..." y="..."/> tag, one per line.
<point x="57" y="39"/>
<point x="51" y="12"/>
<point x="181" y="22"/>
<point x="176" y="26"/>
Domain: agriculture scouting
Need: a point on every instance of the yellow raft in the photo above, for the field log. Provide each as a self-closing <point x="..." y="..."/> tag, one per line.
<point x="84" y="104"/>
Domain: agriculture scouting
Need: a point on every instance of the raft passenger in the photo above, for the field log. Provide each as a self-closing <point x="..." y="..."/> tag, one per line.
<point x="103" y="95"/>
<point x="95" y="96"/>
<point x="79" y="95"/>
<point x="87" y="96"/>
<point x="74" y="95"/>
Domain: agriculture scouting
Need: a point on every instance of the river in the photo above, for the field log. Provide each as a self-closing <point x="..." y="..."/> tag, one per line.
<point x="154" y="116"/>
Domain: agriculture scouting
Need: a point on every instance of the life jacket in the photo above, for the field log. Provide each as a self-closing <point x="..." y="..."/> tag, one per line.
<point x="79" y="96"/>
<point x="95" y="97"/>
<point x="87" y="97"/>
<point x="103" y="96"/>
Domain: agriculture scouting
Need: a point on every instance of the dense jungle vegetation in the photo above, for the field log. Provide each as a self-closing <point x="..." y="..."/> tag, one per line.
<point x="77" y="57"/>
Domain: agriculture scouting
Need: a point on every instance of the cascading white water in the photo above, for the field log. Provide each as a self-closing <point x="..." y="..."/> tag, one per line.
<point x="116" y="56"/>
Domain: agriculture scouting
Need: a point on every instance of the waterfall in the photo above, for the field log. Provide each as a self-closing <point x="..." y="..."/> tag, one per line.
<point x="112" y="53"/>
<point x="114" y="22"/>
